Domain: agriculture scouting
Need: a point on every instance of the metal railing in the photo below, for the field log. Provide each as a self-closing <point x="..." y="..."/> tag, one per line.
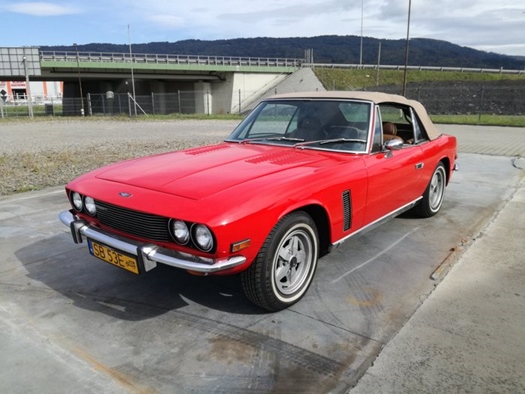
<point x="65" y="56"/>
<point x="418" y="68"/>
<point x="147" y="58"/>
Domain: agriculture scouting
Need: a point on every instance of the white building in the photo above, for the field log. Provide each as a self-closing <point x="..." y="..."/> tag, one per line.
<point x="41" y="91"/>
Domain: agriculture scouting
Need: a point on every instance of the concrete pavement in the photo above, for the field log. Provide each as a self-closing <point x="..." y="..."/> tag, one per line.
<point x="469" y="335"/>
<point x="68" y="323"/>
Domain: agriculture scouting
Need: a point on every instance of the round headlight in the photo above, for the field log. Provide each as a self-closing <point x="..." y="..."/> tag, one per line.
<point x="202" y="237"/>
<point x="76" y="199"/>
<point x="180" y="232"/>
<point x="89" y="204"/>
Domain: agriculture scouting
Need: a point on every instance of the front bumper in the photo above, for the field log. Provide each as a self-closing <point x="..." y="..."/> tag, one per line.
<point x="148" y="255"/>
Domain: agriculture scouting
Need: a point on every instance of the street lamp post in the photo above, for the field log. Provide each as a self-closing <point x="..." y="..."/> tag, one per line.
<point x="82" y="112"/>
<point x="132" y="76"/>
<point x="378" y="63"/>
<point x="406" y="50"/>
<point x="28" y="89"/>
<point x="361" y="48"/>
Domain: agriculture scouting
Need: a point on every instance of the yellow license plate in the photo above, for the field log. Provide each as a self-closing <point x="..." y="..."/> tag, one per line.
<point x="113" y="257"/>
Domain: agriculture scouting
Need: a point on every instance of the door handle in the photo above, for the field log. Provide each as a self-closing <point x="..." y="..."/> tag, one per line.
<point x="419" y="166"/>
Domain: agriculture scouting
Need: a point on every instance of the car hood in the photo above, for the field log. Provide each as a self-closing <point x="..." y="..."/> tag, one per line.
<point x="200" y="172"/>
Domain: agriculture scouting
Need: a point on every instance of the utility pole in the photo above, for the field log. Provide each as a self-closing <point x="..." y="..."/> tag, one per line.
<point x="406" y="50"/>
<point x="82" y="112"/>
<point x="361" y="50"/>
<point x="378" y="63"/>
<point x="28" y="89"/>
<point x="132" y="77"/>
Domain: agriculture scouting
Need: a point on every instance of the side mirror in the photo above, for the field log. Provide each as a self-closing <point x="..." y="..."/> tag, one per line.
<point x="393" y="145"/>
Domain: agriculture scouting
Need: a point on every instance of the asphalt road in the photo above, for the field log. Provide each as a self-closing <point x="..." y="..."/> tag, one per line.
<point x="69" y="322"/>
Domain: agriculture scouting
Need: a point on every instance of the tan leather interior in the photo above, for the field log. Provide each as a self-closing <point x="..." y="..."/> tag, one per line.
<point x="390" y="132"/>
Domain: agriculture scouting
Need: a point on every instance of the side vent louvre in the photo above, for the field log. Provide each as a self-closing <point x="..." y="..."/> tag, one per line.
<point x="347" y="210"/>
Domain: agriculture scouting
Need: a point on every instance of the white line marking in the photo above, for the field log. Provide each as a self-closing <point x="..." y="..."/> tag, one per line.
<point x="14" y="197"/>
<point x="375" y="257"/>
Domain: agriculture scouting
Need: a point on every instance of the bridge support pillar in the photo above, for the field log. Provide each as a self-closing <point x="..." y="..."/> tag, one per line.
<point x="203" y="98"/>
<point x="159" y="102"/>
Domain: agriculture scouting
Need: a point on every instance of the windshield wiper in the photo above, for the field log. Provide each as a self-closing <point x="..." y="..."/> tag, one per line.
<point x="332" y="141"/>
<point x="248" y="140"/>
<point x="337" y="140"/>
<point x="285" y="139"/>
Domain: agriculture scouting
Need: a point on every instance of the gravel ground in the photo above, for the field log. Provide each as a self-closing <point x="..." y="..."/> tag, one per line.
<point x="38" y="154"/>
<point x="42" y="153"/>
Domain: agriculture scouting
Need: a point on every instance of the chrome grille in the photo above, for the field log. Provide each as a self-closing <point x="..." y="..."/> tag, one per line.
<point x="140" y="224"/>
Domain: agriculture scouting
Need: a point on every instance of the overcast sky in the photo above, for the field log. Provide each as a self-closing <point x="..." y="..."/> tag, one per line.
<point x="489" y="25"/>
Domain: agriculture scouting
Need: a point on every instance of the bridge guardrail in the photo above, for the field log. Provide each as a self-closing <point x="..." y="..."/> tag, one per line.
<point x="113" y="57"/>
<point x="65" y="56"/>
<point x="402" y="67"/>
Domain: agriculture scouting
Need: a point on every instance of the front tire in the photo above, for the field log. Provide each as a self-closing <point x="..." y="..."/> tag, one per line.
<point x="285" y="266"/>
<point x="434" y="193"/>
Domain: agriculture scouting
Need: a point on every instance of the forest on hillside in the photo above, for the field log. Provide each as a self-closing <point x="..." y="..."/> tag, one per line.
<point x="326" y="49"/>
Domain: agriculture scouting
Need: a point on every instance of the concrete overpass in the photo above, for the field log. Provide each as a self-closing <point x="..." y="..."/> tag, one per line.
<point x="220" y="84"/>
<point x="215" y="80"/>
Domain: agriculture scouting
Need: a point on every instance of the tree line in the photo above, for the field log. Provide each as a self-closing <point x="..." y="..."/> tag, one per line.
<point x="326" y="49"/>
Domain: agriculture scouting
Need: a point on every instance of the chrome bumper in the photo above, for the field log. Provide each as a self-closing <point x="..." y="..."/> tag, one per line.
<point x="148" y="255"/>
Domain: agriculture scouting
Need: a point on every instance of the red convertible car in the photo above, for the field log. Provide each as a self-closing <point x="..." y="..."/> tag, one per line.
<point x="301" y="174"/>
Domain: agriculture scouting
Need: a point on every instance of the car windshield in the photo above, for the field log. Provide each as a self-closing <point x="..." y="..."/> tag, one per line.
<point x="341" y="125"/>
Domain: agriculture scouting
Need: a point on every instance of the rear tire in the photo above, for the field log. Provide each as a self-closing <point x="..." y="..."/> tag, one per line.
<point x="434" y="193"/>
<point x="285" y="266"/>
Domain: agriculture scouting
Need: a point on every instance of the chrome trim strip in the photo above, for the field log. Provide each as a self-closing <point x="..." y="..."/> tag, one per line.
<point x="150" y="254"/>
<point x="379" y="221"/>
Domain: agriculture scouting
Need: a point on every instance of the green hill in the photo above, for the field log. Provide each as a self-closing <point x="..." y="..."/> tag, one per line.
<point x="326" y="49"/>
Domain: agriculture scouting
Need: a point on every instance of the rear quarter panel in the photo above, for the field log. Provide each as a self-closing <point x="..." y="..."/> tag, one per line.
<point x="443" y="148"/>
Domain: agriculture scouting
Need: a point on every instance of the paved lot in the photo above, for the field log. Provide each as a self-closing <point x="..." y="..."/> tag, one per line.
<point x="488" y="140"/>
<point x="94" y="328"/>
<point x="468" y="336"/>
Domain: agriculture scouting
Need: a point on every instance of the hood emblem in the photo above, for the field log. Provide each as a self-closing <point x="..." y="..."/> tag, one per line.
<point x="124" y="194"/>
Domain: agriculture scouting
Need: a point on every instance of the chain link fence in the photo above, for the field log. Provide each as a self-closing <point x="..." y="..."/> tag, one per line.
<point x="438" y="98"/>
<point x="467" y="98"/>
<point x="181" y="102"/>
<point x="18" y="106"/>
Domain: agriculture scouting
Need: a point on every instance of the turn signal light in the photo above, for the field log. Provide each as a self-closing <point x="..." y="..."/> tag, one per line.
<point x="237" y="247"/>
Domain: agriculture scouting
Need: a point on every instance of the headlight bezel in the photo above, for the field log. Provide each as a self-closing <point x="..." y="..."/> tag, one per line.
<point x="77" y="201"/>
<point x="201" y="230"/>
<point x="183" y="226"/>
<point x="82" y="203"/>
<point x="90" y="206"/>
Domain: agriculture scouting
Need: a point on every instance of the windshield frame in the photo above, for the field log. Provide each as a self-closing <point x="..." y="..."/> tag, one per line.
<point x="294" y="110"/>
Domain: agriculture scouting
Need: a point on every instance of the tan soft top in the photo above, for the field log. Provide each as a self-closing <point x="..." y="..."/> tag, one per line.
<point x="376" y="97"/>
